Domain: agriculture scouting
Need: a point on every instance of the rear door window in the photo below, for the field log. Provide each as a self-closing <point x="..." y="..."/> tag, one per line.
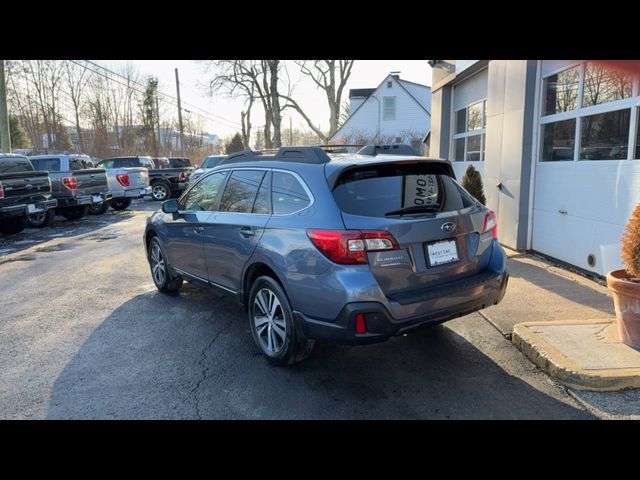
<point x="288" y="195"/>
<point x="398" y="190"/>
<point x="15" y="165"/>
<point x="48" y="164"/>
<point x="241" y="191"/>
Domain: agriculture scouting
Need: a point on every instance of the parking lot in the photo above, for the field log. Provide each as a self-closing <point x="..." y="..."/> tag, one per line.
<point x="86" y="335"/>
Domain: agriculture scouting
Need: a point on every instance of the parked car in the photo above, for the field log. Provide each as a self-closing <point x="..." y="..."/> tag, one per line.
<point x="210" y="162"/>
<point x="125" y="184"/>
<point x="165" y="182"/>
<point x="75" y="184"/>
<point x="347" y="249"/>
<point x="23" y="191"/>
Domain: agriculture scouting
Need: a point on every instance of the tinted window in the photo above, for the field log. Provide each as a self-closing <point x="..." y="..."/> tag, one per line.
<point x="241" y="191"/>
<point x="126" y="163"/>
<point x="15" y="165"/>
<point x="377" y="190"/>
<point x="203" y="195"/>
<point x="48" y="164"/>
<point x="263" y="199"/>
<point x="288" y="195"/>
<point x="105" y="164"/>
<point x="76" y="164"/>
<point x="211" y="162"/>
<point x="145" y="162"/>
<point x="179" y="162"/>
<point x="160" y="163"/>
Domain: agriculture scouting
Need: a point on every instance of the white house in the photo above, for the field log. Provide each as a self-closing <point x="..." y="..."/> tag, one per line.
<point x="558" y="146"/>
<point x="397" y="111"/>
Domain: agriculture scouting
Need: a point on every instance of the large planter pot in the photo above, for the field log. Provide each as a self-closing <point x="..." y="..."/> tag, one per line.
<point x="626" y="298"/>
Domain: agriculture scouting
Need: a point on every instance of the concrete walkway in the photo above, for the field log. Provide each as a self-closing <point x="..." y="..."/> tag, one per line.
<point x="565" y="324"/>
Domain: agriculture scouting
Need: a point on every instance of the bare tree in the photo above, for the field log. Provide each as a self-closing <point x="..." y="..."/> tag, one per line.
<point x="76" y="81"/>
<point x="331" y="76"/>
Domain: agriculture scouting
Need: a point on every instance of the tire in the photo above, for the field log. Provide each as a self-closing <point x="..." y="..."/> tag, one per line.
<point x="275" y="332"/>
<point x="41" y="220"/>
<point x="160" y="271"/>
<point x="75" y="213"/>
<point x="99" y="208"/>
<point x="12" y="226"/>
<point x="160" y="191"/>
<point x="121" y="204"/>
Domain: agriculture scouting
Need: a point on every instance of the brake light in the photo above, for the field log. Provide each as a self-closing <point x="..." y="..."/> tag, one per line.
<point x="490" y="224"/>
<point x="182" y="177"/>
<point x="349" y="247"/>
<point x="123" y="178"/>
<point x="1" y="190"/>
<point x="361" y="326"/>
<point x="70" y="182"/>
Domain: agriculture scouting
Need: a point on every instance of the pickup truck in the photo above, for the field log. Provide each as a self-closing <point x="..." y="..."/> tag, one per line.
<point x="165" y="182"/>
<point x="125" y="184"/>
<point x="23" y="190"/>
<point x="74" y="183"/>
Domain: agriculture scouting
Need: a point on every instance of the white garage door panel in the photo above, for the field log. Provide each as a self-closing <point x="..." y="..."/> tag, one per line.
<point x="598" y="198"/>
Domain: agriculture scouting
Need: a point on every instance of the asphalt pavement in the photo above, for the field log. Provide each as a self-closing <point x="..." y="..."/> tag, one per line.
<point x="85" y="335"/>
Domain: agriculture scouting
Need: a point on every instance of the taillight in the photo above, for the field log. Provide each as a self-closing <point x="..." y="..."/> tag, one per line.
<point x="1" y="190"/>
<point x="70" y="182"/>
<point x="490" y="224"/>
<point x="182" y="177"/>
<point x="350" y="247"/>
<point x="123" y="178"/>
<point x="361" y="325"/>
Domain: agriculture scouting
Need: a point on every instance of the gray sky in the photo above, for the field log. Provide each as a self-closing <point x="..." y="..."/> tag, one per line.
<point x="365" y="74"/>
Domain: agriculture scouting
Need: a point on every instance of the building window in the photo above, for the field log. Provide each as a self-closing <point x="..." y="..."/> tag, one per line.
<point x="605" y="136"/>
<point x="561" y="91"/>
<point x="389" y="108"/>
<point x="389" y="84"/>
<point x="558" y="140"/>
<point x="591" y="104"/>
<point x="469" y="137"/>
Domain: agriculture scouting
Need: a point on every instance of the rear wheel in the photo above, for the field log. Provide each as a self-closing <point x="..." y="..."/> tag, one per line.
<point x="12" y="226"/>
<point x="42" y="219"/>
<point x="98" y="208"/>
<point x="160" y="191"/>
<point x="160" y="269"/>
<point x="120" y="203"/>
<point x="272" y="324"/>
<point x="75" y="213"/>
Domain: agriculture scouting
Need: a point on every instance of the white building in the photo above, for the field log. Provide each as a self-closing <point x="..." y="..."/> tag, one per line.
<point x="397" y="111"/>
<point x="558" y="146"/>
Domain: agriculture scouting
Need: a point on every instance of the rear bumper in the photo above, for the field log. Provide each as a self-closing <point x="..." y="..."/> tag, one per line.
<point x="381" y="325"/>
<point x="82" y="200"/>
<point x="134" y="193"/>
<point x="24" y="209"/>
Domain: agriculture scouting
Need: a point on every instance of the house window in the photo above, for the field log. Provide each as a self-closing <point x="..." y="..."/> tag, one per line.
<point x="389" y="108"/>
<point x="591" y="105"/>
<point x="389" y="84"/>
<point x="469" y="138"/>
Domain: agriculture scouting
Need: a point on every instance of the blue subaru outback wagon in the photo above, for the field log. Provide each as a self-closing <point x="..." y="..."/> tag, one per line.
<point x="345" y="248"/>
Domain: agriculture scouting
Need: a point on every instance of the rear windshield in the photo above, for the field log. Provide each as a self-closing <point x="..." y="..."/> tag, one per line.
<point x="48" y="164"/>
<point x="160" y="163"/>
<point x="79" y="163"/>
<point x="15" y="165"/>
<point x="398" y="190"/>
<point x="179" y="162"/>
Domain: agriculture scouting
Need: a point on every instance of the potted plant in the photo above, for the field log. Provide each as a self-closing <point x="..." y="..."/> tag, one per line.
<point x="625" y="284"/>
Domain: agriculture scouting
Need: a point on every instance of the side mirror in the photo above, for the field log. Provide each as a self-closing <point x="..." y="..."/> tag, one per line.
<point x="170" y="206"/>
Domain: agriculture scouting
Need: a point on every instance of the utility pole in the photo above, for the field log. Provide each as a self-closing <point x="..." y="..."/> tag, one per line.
<point x="5" y="132"/>
<point x="290" y="132"/>
<point x="158" y="118"/>
<point x="180" y="114"/>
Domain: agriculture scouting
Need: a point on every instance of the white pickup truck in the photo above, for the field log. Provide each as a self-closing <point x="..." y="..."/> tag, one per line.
<point x="125" y="184"/>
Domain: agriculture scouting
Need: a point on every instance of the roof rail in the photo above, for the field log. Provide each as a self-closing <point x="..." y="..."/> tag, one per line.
<point x="391" y="149"/>
<point x="284" y="154"/>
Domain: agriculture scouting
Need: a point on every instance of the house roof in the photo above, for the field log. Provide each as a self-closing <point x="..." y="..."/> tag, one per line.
<point x="361" y="92"/>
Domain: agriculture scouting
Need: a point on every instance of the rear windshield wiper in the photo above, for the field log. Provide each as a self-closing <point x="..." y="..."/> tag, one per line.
<point x="414" y="209"/>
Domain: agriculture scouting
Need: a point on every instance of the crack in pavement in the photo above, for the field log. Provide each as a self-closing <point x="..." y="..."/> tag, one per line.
<point x="205" y="369"/>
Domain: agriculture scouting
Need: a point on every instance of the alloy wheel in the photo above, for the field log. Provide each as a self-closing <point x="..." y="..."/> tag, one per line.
<point x="159" y="192"/>
<point x="158" y="268"/>
<point x="268" y="320"/>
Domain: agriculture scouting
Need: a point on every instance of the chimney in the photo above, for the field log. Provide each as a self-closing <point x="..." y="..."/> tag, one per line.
<point x="395" y="75"/>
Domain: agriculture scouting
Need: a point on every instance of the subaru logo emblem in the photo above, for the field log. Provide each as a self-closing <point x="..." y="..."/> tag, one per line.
<point x="448" y="227"/>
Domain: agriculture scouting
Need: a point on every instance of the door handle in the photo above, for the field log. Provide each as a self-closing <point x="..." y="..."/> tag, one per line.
<point x="499" y="185"/>
<point x="247" y="232"/>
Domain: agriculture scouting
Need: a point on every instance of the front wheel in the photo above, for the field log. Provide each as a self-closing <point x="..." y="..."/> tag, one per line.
<point x="98" y="208"/>
<point x="120" y="203"/>
<point x="41" y="219"/>
<point x="75" y="213"/>
<point x="272" y="324"/>
<point x="160" y="191"/>
<point x="12" y="226"/>
<point x="160" y="269"/>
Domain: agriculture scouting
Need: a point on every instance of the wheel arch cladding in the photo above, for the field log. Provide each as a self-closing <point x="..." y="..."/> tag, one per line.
<point x="255" y="270"/>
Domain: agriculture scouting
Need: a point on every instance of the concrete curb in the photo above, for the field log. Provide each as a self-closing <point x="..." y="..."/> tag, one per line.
<point x="550" y="360"/>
